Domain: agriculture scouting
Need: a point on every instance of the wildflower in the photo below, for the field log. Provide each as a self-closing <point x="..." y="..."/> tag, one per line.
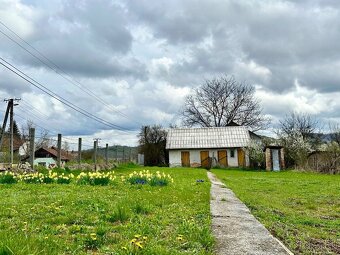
<point x="137" y="236"/>
<point x="139" y="245"/>
<point x="93" y="236"/>
<point x="145" y="238"/>
<point x="133" y="240"/>
<point x="124" y="248"/>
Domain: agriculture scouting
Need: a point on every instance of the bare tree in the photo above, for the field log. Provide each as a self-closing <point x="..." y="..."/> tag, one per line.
<point x="302" y="123"/>
<point x="41" y="140"/>
<point x="218" y="102"/>
<point x="335" y="132"/>
<point x="300" y="134"/>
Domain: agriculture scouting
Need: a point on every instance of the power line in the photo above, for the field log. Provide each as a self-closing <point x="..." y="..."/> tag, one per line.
<point x="43" y="88"/>
<point x="59" y="70"/>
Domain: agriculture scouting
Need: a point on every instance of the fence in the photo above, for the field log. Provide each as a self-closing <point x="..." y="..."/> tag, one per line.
<point x="96" y="154"/>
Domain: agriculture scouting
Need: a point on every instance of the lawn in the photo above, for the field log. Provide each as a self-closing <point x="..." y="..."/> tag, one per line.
<point x="301" y="209"/>
<point x="119" y="218"/>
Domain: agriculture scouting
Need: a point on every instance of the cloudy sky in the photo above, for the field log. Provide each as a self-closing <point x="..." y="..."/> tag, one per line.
<point x="133" y="62"/>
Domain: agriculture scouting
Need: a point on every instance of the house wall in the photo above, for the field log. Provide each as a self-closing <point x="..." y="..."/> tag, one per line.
<point x="195" y="157"/>
<point x="48" y="162"/>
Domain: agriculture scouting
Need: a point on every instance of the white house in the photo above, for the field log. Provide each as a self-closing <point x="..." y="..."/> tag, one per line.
<point x="224" y="146"/>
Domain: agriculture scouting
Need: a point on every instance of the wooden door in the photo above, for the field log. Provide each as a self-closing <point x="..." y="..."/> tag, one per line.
<point x="185" y="157"/>
<point x="222" y="158"/>
<point x="241" y="157"/>
<point x="204" y="158"/>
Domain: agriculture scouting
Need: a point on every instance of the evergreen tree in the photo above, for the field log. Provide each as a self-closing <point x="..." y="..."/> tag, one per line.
<point x="16" y="130"/>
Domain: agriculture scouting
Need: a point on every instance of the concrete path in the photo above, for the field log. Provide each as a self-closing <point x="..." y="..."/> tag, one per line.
<point x="236" y="230"/>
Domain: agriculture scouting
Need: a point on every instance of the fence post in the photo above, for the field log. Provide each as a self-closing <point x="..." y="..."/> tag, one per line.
<point x="116" y="153"/>
<point x="59" y="151"/>
<point x="123" y="154"/>
<point x="32" y="146"/>
<point x="95" y="145"/>
<point x="107" y="154"/>
<point x="79" y="150"/>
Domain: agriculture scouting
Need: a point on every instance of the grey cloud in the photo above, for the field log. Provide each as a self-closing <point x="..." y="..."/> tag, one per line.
<point x="89" y="38"/>
<point x="275" y="34"/>
<point x="11" y="84"/>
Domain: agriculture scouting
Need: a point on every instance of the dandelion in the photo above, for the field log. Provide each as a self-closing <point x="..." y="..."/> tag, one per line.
<point x="93" y="236"/>
<point x="179" y="238"/>
<point x="139" y="245"/>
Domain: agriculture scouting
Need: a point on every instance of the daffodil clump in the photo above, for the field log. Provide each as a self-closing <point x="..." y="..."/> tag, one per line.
<point x="7" y="178"/>
<point x="96" y="178"/>
<point x="153" y="179"/>
<point x="50" y="177"/>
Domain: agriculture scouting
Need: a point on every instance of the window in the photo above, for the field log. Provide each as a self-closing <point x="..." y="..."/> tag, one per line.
<point x="232" y="153"/>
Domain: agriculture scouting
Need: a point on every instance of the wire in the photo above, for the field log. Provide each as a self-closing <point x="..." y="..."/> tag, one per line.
<point x="57" y="97"/>
<point x="57" y="70"/>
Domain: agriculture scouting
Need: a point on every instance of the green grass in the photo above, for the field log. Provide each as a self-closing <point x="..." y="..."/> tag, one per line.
<point x="84" y="219"/>
<point x="301" y="209"/>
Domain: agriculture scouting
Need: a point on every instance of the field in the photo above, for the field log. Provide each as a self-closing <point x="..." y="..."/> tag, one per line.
<point x="119" y="218"/>
<point x="301" y="209"/>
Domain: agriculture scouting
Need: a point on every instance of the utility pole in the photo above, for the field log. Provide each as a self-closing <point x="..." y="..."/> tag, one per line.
<point x="10" y="110"/>
<point x="4" y="123"/>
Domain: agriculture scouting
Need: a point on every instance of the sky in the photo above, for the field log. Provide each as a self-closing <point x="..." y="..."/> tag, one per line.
<point x="132" y="63"/>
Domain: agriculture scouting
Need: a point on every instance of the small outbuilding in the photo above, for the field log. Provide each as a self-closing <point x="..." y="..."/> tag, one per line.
<point x="223" y="146"/>
<point x="275" y="160"/>
<point x="47" y="157"/>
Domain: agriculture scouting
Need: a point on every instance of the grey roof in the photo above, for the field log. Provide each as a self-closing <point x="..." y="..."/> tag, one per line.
<point x="213" y="137"/>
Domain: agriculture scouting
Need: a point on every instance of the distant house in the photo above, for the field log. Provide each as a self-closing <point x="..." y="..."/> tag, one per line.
<point x="47" y="157"/>
<point x="17" y="142"/>
<point x="224" y="146"/>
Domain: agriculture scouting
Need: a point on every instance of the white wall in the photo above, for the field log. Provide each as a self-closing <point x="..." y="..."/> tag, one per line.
<point x="232" y="161"/>
<point x="175" y="158"/>
<point x="195" y="157"/>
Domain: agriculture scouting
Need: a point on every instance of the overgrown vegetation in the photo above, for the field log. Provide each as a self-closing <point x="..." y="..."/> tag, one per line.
<point x="301" y="209"/>
<point x="112" y="219"/>
<point x="152" y="142"/>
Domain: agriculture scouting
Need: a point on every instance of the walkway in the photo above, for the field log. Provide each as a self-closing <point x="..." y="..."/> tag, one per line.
<point x="236" y="230"/>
